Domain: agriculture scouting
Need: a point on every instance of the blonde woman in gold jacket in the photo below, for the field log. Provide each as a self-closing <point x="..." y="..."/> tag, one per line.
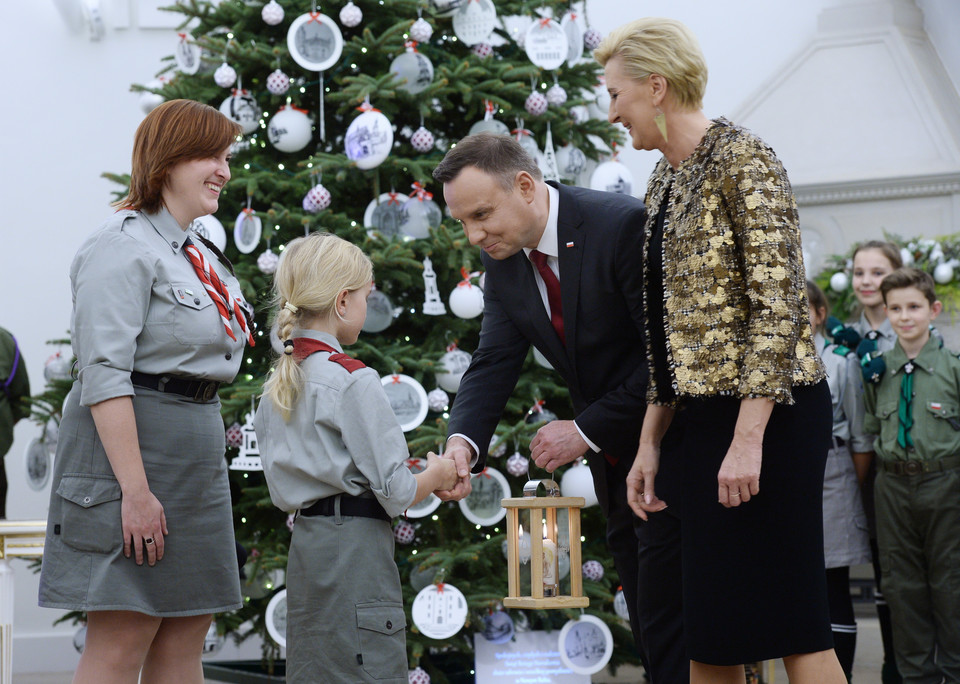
<point x="729" y="344"/>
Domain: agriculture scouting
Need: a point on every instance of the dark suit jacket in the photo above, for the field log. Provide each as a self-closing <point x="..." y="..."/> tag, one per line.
<point x="604" y="364"/>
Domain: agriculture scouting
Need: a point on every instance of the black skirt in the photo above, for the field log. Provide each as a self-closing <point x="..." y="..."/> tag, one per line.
<point x="753" y="576"/>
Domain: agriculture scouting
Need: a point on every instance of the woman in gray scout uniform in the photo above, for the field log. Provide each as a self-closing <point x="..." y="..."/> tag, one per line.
<point x="846" y="540"/>
<point x="140" y="532"/>
<point x="333" y="451"/>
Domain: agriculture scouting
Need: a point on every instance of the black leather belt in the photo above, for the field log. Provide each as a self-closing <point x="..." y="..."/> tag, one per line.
<point x="192" y="388"/>
<point x="916" y="467"/>
<point x="349" y="505"/>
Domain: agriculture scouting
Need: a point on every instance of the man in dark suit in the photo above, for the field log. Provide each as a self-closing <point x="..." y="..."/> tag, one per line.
<point x="564" y="273"/>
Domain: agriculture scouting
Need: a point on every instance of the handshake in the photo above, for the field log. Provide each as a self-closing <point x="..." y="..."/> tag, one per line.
<point x="557" y="443"/>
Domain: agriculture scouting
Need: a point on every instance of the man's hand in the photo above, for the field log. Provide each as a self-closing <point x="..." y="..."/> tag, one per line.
<point x="461" y="453"/>
<point x="557" y="443"/>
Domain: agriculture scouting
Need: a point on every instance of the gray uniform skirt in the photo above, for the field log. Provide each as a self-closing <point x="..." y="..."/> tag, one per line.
<point x="182" y="446"/>
<point x="846" y="540"/>
<point x="345" y="618"/>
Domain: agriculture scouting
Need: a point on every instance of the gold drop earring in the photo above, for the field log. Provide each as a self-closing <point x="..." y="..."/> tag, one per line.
<point x="661" y="122"/>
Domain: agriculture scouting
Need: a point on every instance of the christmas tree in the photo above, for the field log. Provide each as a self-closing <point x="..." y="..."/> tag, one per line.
<point x="347" y="108"/>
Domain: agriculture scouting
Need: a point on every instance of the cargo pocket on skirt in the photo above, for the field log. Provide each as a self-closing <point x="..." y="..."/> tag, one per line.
<point x="91" y="512"/>
<point x="383" y="643"/>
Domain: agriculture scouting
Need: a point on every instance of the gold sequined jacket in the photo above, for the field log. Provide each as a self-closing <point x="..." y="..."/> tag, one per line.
<point x="735" y="303"/>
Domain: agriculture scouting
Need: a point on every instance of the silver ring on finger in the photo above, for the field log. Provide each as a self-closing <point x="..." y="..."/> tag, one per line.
<point x="148" y="540"/>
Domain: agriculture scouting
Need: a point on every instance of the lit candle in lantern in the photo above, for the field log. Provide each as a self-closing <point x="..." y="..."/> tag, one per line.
<point x="524" y="544"/>
<point x="550" y="584"/>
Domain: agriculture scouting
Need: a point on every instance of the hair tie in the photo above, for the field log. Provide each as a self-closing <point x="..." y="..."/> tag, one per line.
<point x="291" y="308"/>
<point x="288" y="347"/>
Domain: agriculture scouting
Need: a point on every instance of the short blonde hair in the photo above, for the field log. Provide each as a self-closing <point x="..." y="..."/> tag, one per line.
<point x="654" y="45"/>
<point x="312" y="273"/>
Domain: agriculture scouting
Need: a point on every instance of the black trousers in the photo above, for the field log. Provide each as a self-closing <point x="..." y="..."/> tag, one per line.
<point x="647" y="556"/>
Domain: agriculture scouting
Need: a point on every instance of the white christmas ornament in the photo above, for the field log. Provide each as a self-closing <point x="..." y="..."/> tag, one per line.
<point x="80" y="638"/>
<point x="839" y="281"/>
<point x="278" y="82"/>
<point x="225" y="75"/>
<point x="592" y="39"/>
<point x="527" y="142"/>
<point x="386" y="216"/>
<point x="620" y="605"/>
<point x="314" y="41"/>
<point x="241" y="107"/>
<point x="422" y="140"/>
<point x="943" y="273"/>
<point x="369" y="138"/>
<point x="578" y="481"/>
<point x="58" y="367"/>
<point x="209" y="226"/>
<point x="317" y="199"/>
<point x="906" y="256"/>
<point x="593" y="570"/>
<point x="188" y="55"/>
<point x="419" y="214"/>
<point x="466" y="300"/>
<point x="234" y="435"/>
<point x="418" y="676"/>
<point x="546" y="44"/>
<point x="482" y="50"/>
<point x="556" y="96"/>
<point x="247" y="230"/>
<point x="404" y="532"/>
<point x="413" y="69"/>
<point x="248" y="457"/>
<point x="580" y="114"/>
<point x="213" y="642"/>
<point x="474" y="21"/>
<point x="379" y="312"/>
<point x="454" y="364"/>
<point x="421" y="30"/>
<point x="289" y="130"/>
<point x="541" y="359"/>
<point x="267" y="263"/>
<point x="439" y="612"/>
<point x="518" y="465"/>
<point x="445" y="8"/>
<point x="432" y="305"/>
<point x="570" y="23"/>
<point x="497" y="448"/>
<point x="536" y="103"/>
<point x="489" y="126"/>
<point x="272" y="13"/>
<point x="571" y="162"/>
<point x="351" y="15"/>
<point x="612" y="176"/>
<point x="150" y="101"/>
<point x="438" y="400"/>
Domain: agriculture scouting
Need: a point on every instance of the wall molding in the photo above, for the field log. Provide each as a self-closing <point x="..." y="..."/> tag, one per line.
<point x="907" y="187"/>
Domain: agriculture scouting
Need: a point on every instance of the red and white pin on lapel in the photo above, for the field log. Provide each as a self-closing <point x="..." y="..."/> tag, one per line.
<point x="569" y="244"/>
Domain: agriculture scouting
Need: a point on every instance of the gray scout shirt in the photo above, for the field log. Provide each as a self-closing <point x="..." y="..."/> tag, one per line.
<point x="139" y="305"/>
<point x="846" y="391"/>
<point x="342" y="438"/>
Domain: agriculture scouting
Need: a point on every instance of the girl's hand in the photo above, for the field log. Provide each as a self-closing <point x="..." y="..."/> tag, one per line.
<point x="640" y="492"/>
<point x="144" y="526"/>
<point x="446" y="471"/>
<point x="739" y="476"/>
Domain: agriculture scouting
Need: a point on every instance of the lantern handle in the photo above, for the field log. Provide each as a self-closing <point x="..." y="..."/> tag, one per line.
<point x="530" y="489"/>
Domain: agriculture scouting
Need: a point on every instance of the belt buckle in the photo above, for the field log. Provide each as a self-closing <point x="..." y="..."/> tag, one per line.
<point x="206" y="390"/>
<point x="912" y="468"/>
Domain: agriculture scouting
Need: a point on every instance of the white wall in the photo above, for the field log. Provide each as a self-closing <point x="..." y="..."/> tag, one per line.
<point x="68" y="115"/>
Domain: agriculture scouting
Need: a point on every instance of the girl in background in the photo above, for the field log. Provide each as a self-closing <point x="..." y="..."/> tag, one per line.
<point x="845" y="538"/>
<point x="333" y="451"/>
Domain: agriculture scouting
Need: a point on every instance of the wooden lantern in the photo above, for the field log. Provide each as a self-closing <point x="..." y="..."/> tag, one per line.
<point x="543" y="594"/>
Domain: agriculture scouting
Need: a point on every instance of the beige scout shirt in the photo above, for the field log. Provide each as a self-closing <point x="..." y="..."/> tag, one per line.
<point x="342" y="438"/>
<point x="139" y="305"/>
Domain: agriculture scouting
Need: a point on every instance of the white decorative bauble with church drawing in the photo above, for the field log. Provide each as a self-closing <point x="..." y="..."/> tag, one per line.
<point x="612" y="176"/>
<point x="241" y="107"/>
<point x="369" y="138"/>
<point x="290" y="129"/>
<point x="451" y="367"/>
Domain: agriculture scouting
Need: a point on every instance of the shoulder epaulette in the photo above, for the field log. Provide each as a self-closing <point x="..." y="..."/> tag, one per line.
<point x="305" y="346"/>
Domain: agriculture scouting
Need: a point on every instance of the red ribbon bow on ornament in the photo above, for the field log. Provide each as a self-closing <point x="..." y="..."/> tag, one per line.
<point x="452" y="346"/>
<point x="183" y="37"/>
<point x="537" y="408"/>
<point x="615" y="156"/>
<point x="393" y="198"/>
<point x="488" y="109"/>
<point x="314" y="17"/>
<point x="290" y="106"/>
<point x="484" y="473"/>
<point x="439" y="587"/>
<point x="395" y="379"/>
<point x="238" y="91"/>
<point x="420" y="192"/>
<point x="545" y="22"/>
<point x="413" y="462"/>
<point x="411" y="45"/>
<point x="518" y="133"/>
<point x="367" y="107"/>
<point x="466" y="277"/>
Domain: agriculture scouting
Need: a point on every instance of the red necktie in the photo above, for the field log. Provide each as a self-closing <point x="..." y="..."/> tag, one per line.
<point x="539" y="260"/>
<point x="217" y="290"/>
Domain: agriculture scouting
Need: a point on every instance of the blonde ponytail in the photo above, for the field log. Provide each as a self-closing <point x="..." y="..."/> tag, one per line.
<point x="312" y="272"/>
